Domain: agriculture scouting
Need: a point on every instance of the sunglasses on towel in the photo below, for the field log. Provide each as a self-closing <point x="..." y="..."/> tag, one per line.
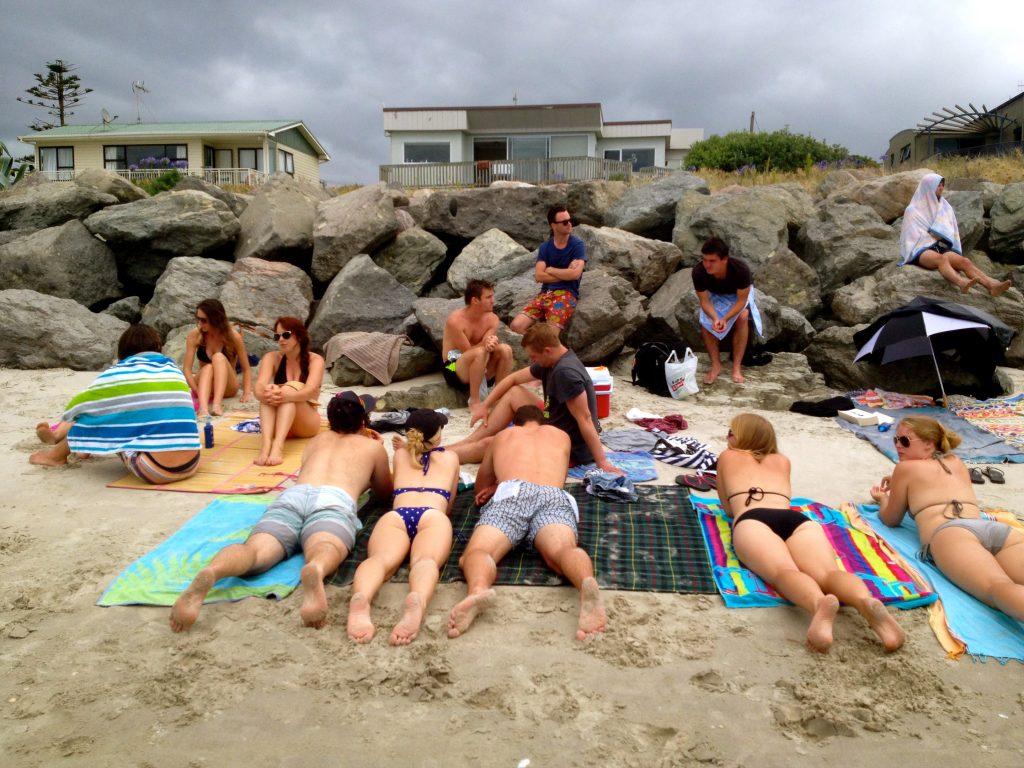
<point x="901" y="440"/>
<point x="282" y="335"/>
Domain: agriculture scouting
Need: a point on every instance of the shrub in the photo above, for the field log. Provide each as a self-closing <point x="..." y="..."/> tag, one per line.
<point x="161" y="183"/>
<point x="779" y="150"/>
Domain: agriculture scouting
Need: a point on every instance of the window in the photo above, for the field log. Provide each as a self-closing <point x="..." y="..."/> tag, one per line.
<point x="523" y="147"/>
<point x="569" y="146"/>
<point x="905" y="154"/>
<point x="125" y="156"/>
<point x="640" y="158"/>
<point x="222" y="158"/>
<point x="490" y="149"/>
<point x="426" y="152"/>
<point x="59" y="162"/>
<point x="250" y="158"/>
<point x="286" y="162"/>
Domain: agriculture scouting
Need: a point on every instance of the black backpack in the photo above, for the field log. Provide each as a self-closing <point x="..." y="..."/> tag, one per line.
<point x="649" y="367"/>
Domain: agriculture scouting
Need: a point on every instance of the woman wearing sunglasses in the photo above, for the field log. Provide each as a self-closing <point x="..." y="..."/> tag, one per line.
<point x="288" y="388"/>
<point x="781" y="545"/>
<point x="221" y="352"/>
<point x="981" y="556"/>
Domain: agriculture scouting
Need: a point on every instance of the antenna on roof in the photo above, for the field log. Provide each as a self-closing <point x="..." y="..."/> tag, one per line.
<point x="138" y="88"/>
<point x="515" y="97"/>
<point x="107" y="117"/>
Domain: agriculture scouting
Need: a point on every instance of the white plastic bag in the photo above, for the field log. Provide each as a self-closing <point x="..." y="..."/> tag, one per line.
<point x="681" y="377"/>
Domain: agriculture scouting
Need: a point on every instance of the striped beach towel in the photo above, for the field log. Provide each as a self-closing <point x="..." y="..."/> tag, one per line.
<point x="141" y="403"/>
<point x="865" y="555"/>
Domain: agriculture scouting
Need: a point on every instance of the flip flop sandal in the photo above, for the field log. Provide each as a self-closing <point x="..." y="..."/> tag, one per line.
<point x="696" y="482"/>
<point x="976" y="477"/>
<point x="994" y="475"/>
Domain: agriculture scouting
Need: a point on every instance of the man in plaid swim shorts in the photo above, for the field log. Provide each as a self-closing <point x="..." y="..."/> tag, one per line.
<point x="521" y="480"/>
<point x="560" y="262"/>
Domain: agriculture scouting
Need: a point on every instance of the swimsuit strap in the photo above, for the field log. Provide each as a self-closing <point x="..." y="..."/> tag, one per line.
<point x="440" y="491"/>
<point x="756" y="494"/>
<point x="938" y="457"/>
<point x="425" y="458"/>
<point x="958" y="508"/>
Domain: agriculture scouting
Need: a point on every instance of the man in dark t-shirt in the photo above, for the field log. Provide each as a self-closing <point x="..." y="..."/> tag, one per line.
<point x="724" y="289"/>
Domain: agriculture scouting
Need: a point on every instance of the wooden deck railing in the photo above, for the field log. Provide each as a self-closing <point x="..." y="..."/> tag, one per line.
<point x="480" y="173"/>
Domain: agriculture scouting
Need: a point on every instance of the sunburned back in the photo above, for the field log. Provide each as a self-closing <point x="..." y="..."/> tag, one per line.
<point x="739" y="473"/>
<point x="536" y="453"/>
<point x="930" y="491"/>
<point x="442" y="474"/>
<point x="344" y="461"/>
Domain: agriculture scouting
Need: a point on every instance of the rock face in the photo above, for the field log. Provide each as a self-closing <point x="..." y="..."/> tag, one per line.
<point x="147" y="234"/>
<point x="412" y="257"/>
<point x="645" y="263"/>
<point x="354" y="223"/>
<point x="110" y="183"/>
<point x="186" y="281"/>
<point x="791" y="282"/>
<point x="236" y="203"/>
<point x="75" y="337"/>
<point x="969" y="208"/>
<point x="492" y="256"/>
<point x="843" y="241"/>
<point x="649" y="210"/>
<point x="257" y="292"/>
<point x="48" y="205"/>
<point x="277" y="225"/>
<point x="1007" y="236"/>
<point x="888" y="196"/>
<point x="63" y="261"/>
<point x="609" y="312"/>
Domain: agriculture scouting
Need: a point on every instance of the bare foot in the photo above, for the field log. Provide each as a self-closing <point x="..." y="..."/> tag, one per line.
<point x="819" y="634"/>
<point x="186" y="607"/>
<point x="48" y="458"/>
<point x="884" y="625"/>
<point x="360" y="628"/>
<point x="1000" y="288"/>
<point x="592" y="615"/>
<point x="966" y="286"/>
<point x="405" y="631"/>
<point x="710" y="376"/>
<point x="737" y="376"/>
<point x="275" y="458"/>
<point x="314" y="597"/>
<point x="202" y="415"/>
<point x="217" y="409"/>
<point x="44" y="433"/>
<point x="261" y="460"/>
<point x="463" y="614"/>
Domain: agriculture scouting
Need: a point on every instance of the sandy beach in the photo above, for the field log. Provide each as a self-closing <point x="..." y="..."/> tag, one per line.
<point x="677" y="680"/>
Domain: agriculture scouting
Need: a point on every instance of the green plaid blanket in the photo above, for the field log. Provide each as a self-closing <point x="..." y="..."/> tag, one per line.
<point x="652" y="545"/>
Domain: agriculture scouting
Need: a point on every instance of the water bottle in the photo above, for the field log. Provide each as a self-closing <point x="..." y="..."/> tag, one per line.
<point x="208" y="433"/>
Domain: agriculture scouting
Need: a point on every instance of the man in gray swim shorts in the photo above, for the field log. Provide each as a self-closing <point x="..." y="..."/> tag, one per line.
<point x="318" y="515"/>
<point x="521" y="480"/>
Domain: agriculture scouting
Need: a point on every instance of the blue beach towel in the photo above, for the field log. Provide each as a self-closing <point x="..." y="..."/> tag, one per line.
<point x="637" y="466"/>
<point x="159" y="577"/>
<point x="985" y="631"/>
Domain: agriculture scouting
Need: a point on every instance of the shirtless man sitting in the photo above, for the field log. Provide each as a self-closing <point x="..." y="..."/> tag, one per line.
<point x="521" y="480"/>
<point x="318" y="514"/>
<point x="470" y="348"/>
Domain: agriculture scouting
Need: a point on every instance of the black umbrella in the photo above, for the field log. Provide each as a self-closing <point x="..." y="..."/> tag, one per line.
<point x="927" y="325"/>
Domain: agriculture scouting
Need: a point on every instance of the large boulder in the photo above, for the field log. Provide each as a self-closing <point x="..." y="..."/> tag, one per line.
<point x="412" y="257"/>
<point x="128" y="309"/>
<point x="590" y="201"/>
<point x="432" y="314"/>
<point x="791" y="281"/>
<point x="645" y="263"/>
<point x="970" y="216"/>
<point x="237" y="203"/>
<point x="608" y="313"/>
<point x="277" y="224"/>
<point x="989" y="190"/>
<point x="110" y="183"/>
<point x="413" y="361"/>
<point x="257" y="292"/>
<point x="772" y="387"/>
<point x="1006" y="240"/>
<point x="40" y="331"/>
<point x="888" y="195"/>
<point x="492" y="256"/>
<point x="357" y="222"/>
<point x="186" y="281"/>
<point x="361" y="297"/>
<point x="39" y="206"/>
<point x="650" y="209"/>
<point x="63" y="261"/>
<point x="843" y="241"/>
<point x="147" y="234"/>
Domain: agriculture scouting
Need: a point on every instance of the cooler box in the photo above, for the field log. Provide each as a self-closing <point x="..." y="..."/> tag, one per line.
<point x="602" y="379"/>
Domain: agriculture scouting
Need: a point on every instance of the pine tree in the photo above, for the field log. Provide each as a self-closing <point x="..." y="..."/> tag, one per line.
<point x="57" y="93"/>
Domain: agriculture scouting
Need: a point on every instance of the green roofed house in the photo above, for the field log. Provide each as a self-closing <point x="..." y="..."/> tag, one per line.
<point x="228" y="152"/>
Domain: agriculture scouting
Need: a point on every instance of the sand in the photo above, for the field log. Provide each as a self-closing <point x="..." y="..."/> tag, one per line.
<point x="677" y="680"/>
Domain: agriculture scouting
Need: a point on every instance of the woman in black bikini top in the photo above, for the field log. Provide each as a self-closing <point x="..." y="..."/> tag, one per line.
<point x="782" y="546"/>
<point x="221" y="353"/>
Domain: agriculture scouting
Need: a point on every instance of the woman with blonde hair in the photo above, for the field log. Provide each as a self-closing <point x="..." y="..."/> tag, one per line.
<point x="983" y="557"/>
<point x="426" y="478"/>
<point x="781" y="545"/>
<point x="288" y="389"/>
<point x="220" y="350"/>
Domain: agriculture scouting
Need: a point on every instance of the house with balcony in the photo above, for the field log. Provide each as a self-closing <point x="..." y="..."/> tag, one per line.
<point x="472" y="146"/>
<point x="230" y="152"/>
<point x="959" y="131"/>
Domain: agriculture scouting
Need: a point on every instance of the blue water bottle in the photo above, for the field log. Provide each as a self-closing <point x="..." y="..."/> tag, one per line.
<point x="208" y="433"/>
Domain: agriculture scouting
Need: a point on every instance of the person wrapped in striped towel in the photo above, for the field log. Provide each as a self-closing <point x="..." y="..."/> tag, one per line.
<point x="140" y="409"/>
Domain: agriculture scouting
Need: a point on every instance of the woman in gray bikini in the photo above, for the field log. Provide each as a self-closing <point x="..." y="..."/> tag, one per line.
<point x="983" y="557"/>
<point x="782" y="546"/>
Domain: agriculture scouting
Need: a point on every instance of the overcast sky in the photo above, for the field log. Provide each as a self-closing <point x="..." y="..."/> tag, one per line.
<point x="851" y="73"/>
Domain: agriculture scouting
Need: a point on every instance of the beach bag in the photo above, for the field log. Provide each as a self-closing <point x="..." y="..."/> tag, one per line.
<point x="649" y="367"/>
<point x="687" y="452"/>
<point x="681" y="377"/>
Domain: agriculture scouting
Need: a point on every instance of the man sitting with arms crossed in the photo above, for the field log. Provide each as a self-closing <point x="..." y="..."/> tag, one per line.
<point x="318" y="514"/>
<point x="470" y="348"/>
<point x="521" y="480"/>
<point x="569" y="401"/>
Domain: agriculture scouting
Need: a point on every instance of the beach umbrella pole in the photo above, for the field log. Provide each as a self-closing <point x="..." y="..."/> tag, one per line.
<point x="938" y="375"/>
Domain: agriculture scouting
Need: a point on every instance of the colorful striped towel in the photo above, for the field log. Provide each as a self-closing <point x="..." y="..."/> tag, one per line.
<point x="860" y="553"/>
<point x="160" y="576"/>
<point x="1000" y="416"/>
<point x="968" y="625"/>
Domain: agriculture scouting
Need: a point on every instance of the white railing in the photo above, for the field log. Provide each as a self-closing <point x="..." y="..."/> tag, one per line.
<point x="480" y="173"/>
<point x="219" y="176"/>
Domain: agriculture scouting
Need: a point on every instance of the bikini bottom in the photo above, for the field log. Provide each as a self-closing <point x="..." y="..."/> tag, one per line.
<point x="782" y="522"/>
<point x="991" y="533"/>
